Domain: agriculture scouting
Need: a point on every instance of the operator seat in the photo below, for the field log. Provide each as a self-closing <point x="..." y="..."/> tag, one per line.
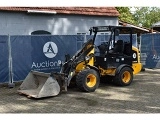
<point x="118" y="48"/>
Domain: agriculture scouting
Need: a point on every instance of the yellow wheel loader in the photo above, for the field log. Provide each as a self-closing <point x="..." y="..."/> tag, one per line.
<point x="114" y="58"/>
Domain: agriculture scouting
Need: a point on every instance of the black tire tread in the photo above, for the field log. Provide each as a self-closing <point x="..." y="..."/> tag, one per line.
<point x="81" y="76"/>
<point x="117" y="79"/>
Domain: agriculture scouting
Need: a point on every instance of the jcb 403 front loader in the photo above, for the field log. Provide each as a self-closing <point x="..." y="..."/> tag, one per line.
<point x="114" y="58"/>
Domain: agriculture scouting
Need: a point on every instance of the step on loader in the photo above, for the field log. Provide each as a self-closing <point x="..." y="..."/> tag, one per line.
<point x="114" y="59"/>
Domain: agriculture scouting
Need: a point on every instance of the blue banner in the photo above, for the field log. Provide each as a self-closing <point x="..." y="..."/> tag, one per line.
<point x="40" y="53"/>
<point x="4" y="61"/>
<point x="150" y="50"/>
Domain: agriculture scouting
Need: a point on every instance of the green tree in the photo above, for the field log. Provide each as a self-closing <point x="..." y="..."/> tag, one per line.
<point x="146" y="16"/>
<point x="125" y="14"/>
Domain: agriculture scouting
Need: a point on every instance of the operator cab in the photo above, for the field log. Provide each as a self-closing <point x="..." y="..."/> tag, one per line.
<point x="114" y="51"/>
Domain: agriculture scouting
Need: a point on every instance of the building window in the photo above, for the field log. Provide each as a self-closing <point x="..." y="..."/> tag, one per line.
<point x="40" y="32"/>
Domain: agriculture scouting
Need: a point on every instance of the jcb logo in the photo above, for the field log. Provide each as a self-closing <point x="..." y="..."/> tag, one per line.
<point x="50" y="49"/>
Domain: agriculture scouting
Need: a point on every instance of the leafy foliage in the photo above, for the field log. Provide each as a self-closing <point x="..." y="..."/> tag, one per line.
<point x="146" y="16"/>
<point x="142" y="16"/>
<point x="125" y="14"/>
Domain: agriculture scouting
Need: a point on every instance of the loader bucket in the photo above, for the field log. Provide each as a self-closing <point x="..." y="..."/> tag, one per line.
<point x="38" y="85"/>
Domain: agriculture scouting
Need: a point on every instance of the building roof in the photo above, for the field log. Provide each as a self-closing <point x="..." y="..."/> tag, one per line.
<point x="98" y="11"/>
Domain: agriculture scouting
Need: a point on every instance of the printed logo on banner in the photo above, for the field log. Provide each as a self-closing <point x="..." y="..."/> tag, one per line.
<point x="50" y="49"/>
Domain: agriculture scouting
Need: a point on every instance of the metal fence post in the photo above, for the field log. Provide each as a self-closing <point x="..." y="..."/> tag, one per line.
<point x="10" y="84"/>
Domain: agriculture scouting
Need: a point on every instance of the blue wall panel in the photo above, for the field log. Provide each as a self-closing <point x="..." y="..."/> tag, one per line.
<point x="4" y="59"/>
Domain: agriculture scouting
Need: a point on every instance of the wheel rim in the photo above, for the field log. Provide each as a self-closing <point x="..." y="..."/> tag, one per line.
<point x="126" y="77"/>
<point x="91" y="80"/>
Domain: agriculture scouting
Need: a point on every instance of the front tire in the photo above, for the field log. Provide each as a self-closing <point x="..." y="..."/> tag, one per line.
<point x="88" y="80"/>
<point x="124" y="77"/>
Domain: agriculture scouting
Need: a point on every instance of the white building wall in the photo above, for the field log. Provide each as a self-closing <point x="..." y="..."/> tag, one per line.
<point x="14" y="23"/>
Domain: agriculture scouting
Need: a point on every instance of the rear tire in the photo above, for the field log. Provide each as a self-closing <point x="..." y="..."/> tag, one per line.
<point x="124" y="77"/>
<point x="88" y="80"/>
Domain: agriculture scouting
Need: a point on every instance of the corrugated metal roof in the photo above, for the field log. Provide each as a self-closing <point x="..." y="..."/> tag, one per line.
<point x="136" y="29"/>
<point x="134" y="26"/>
<point x="98" y="11"/>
